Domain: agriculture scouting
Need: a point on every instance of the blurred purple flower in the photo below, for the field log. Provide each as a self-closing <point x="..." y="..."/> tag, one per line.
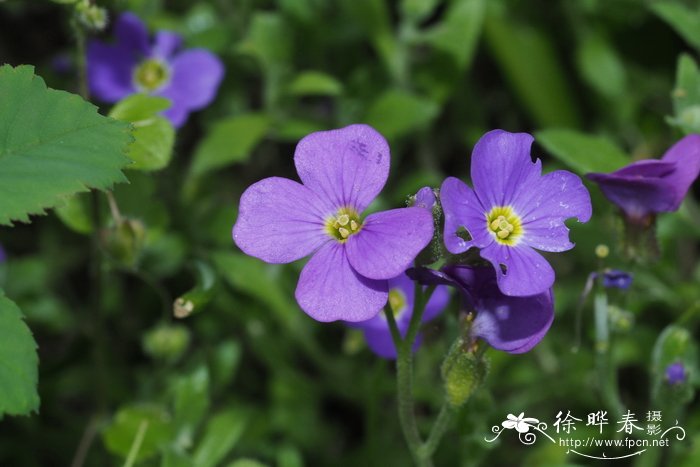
<point x="401" y="299"/>
<point x="511" y="324"/>
<point x="513" y="210"/>
<point x="342" y="171"/>
<point x="134" y="63"/>
<point x="616" y="279"/>
<point x="650" y="186"/>
<point x="3" y="256"/>
<point x="675" y="373"/>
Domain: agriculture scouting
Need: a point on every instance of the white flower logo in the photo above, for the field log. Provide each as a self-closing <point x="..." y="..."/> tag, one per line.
<point x="521" y="424"/>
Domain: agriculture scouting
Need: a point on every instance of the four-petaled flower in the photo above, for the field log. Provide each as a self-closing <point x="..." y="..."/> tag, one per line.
<point x="281" y="221"/>
<point x="521" y="423"/>
<point x="134" y="64"/>
<point x="513" y="210"/>
<point x="511" y="324"/>
<point x="401" y="300"/>
<point x="647" y="187"/>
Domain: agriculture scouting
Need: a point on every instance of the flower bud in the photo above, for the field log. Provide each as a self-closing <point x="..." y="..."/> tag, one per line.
<point x="124" y="241"/>
<point x="463" y="372"/>
<point x="166" y="342"/>
<point x="91" y="16"/>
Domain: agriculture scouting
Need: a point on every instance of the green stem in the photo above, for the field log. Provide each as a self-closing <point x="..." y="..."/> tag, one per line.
<point x="436" y="433"/>
<point x="606" y="372"/>
<point x="136" y="445"/>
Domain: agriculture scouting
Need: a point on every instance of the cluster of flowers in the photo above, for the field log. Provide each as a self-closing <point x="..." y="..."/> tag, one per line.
<point x="359" y="263"/>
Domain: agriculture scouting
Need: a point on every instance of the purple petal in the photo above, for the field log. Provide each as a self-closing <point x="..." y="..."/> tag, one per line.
<point x="437" y="303"/>
<point x="675" y="373"/>
<point x="177" y="115"/>
<point x="348" y="166"/>
<point x="462" y="208"/>
<point x="110" y="71"/>
<point x="686" y="154"/>
<point x="511" y="324"/>
<point x="280" y="221"/>
<point x="329" y="289"/>
<point x="165" y="44"/>
<point x="196" y="75"/>
<point x="425" y="198"/>
<point x="3" y="255"/>
<point x="614" y="278"/>
<point x="501" y="165"/>
<point x="546" y="203"/>
<point x="527" y="272"/>
<point x="647" y="168"/>
<point x="131" y="33"/>
<point x="389" y="241"/>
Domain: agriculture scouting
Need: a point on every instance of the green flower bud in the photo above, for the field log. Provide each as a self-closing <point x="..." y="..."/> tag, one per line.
<point x="166" y="342"/>
<point x="91" y="16"/>
<point x="124" y="241"/>
<point x="463" y="372"/>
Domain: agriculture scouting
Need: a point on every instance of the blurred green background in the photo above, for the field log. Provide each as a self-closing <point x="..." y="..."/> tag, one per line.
<point x="249" y="379"/>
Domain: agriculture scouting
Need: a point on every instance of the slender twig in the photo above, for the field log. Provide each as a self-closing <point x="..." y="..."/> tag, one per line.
<point x="136" y="445"/>
<point x="85" y="443"/>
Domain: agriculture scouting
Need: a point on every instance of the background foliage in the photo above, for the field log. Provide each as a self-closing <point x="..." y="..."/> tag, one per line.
<point x="249" y="379"/>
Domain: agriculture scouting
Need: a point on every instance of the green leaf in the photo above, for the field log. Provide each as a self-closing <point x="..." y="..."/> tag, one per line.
<point x="18" y="362"/>
<point x="529" y="62"/>
<point x="682" y="19"/>
<point x="269" y="40"/>
<point x="154" y="136"/>
<point x="686" y="96"/>
<point x="54" y="145"/>
<point x="222" y="433"/>
<point x="120" y="434"/>
<point x="230" y="140"/>
<point x="459" y="32"/>
<point x="581" y="152"/>
<point x="396" y="113"/>
<point x="75" y="214"/>
<point x="315" y="83"/>
<point x="601" y="67"/>
<point x="417" y="10"/>
<point x="191" y="402"/>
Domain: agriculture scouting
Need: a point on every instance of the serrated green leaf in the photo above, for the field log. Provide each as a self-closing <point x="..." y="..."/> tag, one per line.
<point x="54" y="145"/>
<point x="222" y="433"/>
<point x="154" y="135"/>
<point x="18" y="362"/>
<point x="581" y="152"/>
<point x="230" y="140"/>
<point x="120" y="434"/>
<point x="682" y="19"/>
<point x="315" y="83"/>
<point x="396" y="113"/>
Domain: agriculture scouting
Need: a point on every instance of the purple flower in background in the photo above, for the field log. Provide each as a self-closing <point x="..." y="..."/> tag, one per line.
<point x="342" y="171"/>
<point x="616" y="279"/>
<point x="513" y="210"/>
<point x="511" y="324"/>
<point x="3" y="256"/>
<point x="401" y="299"/>
<point x="647" y="187"/>
<point x="134" y="64"/>
<point x="675" y="373"/>
<point x="425" y="198"/>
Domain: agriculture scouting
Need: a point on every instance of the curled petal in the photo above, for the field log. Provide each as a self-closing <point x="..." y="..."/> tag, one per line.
<point x="526" y="271"/>
<point x="462" y="209"/>
<point x="348" y="166"/>
<point x="389" y="241"/>
<point x="329" y="289"/>
<point x="686" y="155"/>
<point x="280" y="221"/>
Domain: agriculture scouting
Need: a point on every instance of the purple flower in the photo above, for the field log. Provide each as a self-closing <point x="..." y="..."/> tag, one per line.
<point x="616" y="279"/>
<point x="342" y="171"/>
<point x="511" y="324"/>
<point x="3" y="256"/>
<point x="401" y="299"/>
<point x="513" y="210"/>
<point x="134" y="63"/>
<point x="647" y="187"/>
<point x="675" y="373"/>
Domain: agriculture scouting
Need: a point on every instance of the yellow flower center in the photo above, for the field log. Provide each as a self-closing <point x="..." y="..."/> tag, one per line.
<point x="505" y="225"/>
<point x="344" y="224"/>
<point x="151" y="75"/>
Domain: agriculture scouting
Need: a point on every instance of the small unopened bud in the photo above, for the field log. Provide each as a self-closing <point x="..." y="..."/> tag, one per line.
<point x="676" y="374"/>
<point x="166" y="342"/>
<point x="92" y="16"/>
<point x="463" y="372"/>
<point x="602" y="251"/>
<point x="124" y="241"/>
